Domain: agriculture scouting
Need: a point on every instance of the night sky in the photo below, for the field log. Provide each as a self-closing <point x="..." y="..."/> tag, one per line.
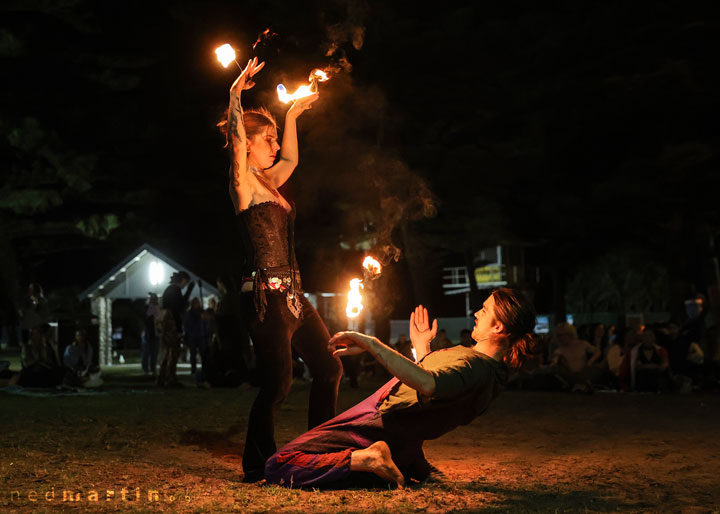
<point x="583" y="135"/>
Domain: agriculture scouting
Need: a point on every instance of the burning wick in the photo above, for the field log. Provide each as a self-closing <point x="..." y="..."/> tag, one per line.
<point x="354" y="305"/>
<point x="226" y="55"/>
<point x="316" y="76"/>
<point x="372" y="267"/>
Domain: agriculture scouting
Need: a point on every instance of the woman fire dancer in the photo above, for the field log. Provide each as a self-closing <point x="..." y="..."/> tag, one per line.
<point x="280" y="316"/>
<point x="384" y="434"/>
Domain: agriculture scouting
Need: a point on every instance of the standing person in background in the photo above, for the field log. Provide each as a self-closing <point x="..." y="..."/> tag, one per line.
<point x="149" y="342"/>
<point x="169" y="323"/>
<point x="233" y="355"/>
<point x="195" y="330"/>
<point x="34" y="312"/>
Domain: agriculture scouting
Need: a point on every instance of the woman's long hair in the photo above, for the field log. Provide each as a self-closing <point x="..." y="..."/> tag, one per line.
<point x="517" y="314"/>
<point x="255" y="120"/>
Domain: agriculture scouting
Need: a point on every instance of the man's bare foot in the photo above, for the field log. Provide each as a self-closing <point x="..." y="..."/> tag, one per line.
<point x="377" y="459"/>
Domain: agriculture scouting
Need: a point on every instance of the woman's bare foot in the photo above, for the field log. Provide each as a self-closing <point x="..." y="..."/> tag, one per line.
<point x="377" y="459"/>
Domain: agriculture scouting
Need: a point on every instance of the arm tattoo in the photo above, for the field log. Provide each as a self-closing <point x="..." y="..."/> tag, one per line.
<point x="235" y="175"/>
<point x="236" y="121"/>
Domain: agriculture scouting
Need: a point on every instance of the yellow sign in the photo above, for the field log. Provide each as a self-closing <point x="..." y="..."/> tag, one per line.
<point x="487" y="274"/>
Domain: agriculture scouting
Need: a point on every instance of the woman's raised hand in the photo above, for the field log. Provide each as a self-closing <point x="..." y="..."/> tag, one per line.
<point x="302" y="104"/>
<point x="244" y="81"/>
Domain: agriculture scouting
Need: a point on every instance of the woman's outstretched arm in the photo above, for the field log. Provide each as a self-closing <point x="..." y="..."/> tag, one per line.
<point x="289" y="155"/>
<point x="239" y="185"/>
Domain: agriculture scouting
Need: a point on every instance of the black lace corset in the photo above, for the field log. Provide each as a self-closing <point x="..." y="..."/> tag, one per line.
<point x="267" y="233"/>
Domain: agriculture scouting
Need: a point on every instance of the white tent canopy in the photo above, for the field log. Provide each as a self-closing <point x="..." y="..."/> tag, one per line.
<point x="145" y="270"/>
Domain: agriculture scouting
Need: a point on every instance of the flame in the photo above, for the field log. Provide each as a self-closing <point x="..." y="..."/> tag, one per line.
<point x="354" y="305"/>
<point x="300" y="92"/>
<point x="316" y="76"/>
<point x="225" y="54"/>
<point x="414" y="353"/>
<point x="372" y="266"/>
<point x="264" y="36"/>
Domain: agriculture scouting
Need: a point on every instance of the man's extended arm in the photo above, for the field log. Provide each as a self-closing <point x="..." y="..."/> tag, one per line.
<point x="409" y="373"/>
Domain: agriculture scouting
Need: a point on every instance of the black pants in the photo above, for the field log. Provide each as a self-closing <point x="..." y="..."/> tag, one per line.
<point x="273" y="340"/>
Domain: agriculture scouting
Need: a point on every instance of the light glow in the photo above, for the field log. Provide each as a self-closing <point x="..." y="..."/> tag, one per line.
<point x="354" y="305"/>
<point x="157" y="273"/>
<point x="225" y="54"/>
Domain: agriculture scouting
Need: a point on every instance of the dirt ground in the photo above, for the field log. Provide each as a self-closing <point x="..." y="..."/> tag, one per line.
<point x="531" y="452"/>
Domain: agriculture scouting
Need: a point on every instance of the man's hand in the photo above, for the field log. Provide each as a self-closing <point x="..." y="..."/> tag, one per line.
<point x="420" y="331"/>
<point x="349" y="343"/>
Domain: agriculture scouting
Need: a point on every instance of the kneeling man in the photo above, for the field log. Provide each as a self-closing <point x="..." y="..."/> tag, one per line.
<point x="447" y="388"/>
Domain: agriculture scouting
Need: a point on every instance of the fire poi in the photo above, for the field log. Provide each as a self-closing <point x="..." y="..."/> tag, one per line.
<point x="354" y="305"/>
<point x="316" y="76"/>
<point x="372" y="269"/>
<point x="226" y="54"/>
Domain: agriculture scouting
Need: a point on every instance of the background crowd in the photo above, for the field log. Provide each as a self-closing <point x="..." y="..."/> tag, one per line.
<point x="673" y="356"/>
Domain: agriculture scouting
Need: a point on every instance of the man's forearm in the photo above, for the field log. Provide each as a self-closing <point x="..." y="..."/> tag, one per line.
<point x="404" y="369"/>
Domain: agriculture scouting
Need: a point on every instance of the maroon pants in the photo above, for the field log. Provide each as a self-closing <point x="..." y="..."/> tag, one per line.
<point x="321" y="456"/>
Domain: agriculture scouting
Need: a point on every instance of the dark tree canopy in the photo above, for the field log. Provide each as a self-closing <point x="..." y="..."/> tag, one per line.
<point x="575" y="131"/>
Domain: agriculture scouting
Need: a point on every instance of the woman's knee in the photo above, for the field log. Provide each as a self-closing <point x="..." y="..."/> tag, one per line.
<point x="275" y="391"/>
<point x="330" y="372"/>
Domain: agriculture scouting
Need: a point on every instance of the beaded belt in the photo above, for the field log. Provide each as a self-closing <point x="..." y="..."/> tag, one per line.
<point x="282" y="279"/>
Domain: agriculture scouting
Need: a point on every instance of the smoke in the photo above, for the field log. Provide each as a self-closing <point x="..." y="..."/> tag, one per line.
<point x="374" y="191"/>
<point x="403" y="197"/>
<point x="351" y="30"/>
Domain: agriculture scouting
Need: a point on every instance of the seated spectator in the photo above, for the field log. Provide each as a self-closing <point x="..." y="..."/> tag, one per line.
<point x="40" y="361"/>
<point x="599" y="338"/>
<point x="633" y="335"/>
<point x="78" y="359"/>
<point x="649" y="366"/>
<point x="574" y="358"/>
<point x="466" y="339"/>
<point x="404" y="347"/>
<point x="441" y="341"/>
<point x="685" y="355"/>
<point x="614" y="355"/>
<point x="8" y="377"/>
<point x="535" y="373"/>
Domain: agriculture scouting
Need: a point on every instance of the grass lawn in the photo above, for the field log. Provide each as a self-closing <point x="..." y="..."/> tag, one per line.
<point x="180" y="450"/>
